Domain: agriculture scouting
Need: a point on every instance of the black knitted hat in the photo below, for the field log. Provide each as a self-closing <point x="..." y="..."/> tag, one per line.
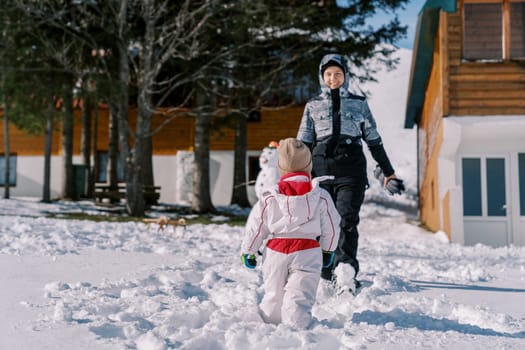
<point x="331" y="63"/>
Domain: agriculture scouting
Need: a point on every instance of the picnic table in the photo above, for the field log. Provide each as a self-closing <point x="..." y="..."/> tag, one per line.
<point x="114" y="194"/>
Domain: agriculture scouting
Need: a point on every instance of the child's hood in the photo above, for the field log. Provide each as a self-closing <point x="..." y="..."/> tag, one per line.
<point x="341" y="61"/>
<point x="297" y="198"/>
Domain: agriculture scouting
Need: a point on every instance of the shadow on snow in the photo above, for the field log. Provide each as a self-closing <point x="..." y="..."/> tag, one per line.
<point x="403" y="319"/>
<point x="444" y="285"/>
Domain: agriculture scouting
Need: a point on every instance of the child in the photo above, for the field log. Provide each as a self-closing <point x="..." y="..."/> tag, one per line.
<point x="302" y="223"/>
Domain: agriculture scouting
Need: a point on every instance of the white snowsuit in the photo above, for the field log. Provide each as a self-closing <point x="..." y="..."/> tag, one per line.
<point x="300" y="219"/>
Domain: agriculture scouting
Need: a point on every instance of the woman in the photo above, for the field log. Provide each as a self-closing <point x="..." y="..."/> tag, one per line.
<point x="333" y="125"/>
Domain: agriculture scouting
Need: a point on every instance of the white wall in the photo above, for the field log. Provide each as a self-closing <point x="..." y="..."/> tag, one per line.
<point x="166" y="177"/>
<point x="168" y="172"/>
<point x="478" y="135"/>
<point x="30" y="176"/>
<point x="180" y="186"/>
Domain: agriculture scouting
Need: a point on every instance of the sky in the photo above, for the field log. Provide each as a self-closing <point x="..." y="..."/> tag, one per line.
<point x="407" y="17"/>
<point x="81" y="284"/>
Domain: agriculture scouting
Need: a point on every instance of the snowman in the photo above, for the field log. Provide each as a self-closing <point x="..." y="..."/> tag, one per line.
<point x="269" y="174"/>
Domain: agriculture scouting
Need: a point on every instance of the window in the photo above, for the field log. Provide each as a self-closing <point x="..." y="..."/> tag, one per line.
<point x="484" y="187"/>
<point x="494" y="29"/>
<point x="521" y="179"/>
<point x="517" y="29"/>
<point x="12" y="170"/>
<point x="253" y="168"/>
<point x="102" y="170"/>
<point x="254" y="116"/>
<point x="496" y="199"/>
<point x="471" y="186"/>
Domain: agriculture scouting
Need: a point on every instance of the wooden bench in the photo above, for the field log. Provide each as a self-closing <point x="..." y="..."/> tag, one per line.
<point x="114" y="195"/>
<point x="151" y="194"/>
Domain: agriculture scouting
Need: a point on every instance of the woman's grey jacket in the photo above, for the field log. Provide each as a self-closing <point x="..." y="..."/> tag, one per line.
<point x="341" y="155"/>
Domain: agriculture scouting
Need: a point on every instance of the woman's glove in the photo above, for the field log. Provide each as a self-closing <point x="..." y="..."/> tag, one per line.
<point x="392" y="184"/>
<point x="395" y="186"/>
<point x="249" y="260"/>
<point x="328" y="258"/>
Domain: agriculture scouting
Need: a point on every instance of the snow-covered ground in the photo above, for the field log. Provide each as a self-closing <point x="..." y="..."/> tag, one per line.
<point x="73" y="284"/>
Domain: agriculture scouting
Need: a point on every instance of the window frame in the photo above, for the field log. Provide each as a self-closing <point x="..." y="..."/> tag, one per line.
<point x="101" y="175"/>
<point x="506" y="30"/>
<point x="481" y="182"/>
<point x="13" y="158"/>
<point x="253" y="169"/>
<point x="521" y="183"/>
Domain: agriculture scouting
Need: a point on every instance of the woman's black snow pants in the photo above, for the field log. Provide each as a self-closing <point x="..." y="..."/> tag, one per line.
<point x="348" y="195"/>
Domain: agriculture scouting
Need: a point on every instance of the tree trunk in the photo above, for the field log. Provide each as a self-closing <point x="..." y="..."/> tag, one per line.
<point x="201" y="199"/>
<point x="239" y="193"/>
<point x="123" y="125"/>
<point x="122" y="97"/>
<point x="136" y="203"/>
<point x="93" y="171"/>
<point x="112" y="171"/>
<point x="67" y="144"/>
<point x="149" y="179"/>
<point x="124" y="147"/>
<point x="6" y="150"/>
<point x="142" y="157"/>
<point x="46" y="195"/>
<point x="85" y="139"/>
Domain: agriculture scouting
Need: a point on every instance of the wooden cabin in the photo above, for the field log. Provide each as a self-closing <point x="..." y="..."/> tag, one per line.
<point x="467" y="98"/>
<point x="172" y="153"/>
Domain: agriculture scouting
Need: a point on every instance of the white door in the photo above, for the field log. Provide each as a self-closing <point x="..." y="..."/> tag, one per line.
<point x="486" y="200"/>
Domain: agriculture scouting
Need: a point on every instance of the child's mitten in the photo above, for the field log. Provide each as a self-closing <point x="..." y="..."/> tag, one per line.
<point x="250" y="261"/>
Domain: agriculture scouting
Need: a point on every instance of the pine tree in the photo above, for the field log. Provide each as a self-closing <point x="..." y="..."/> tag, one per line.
<point x="278" y="44"/>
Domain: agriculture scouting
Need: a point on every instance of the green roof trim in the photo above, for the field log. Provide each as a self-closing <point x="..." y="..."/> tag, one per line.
<point x="427" y="26"/>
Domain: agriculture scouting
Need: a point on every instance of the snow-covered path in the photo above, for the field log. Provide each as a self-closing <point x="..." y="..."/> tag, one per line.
<point x="85" y="285"/>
